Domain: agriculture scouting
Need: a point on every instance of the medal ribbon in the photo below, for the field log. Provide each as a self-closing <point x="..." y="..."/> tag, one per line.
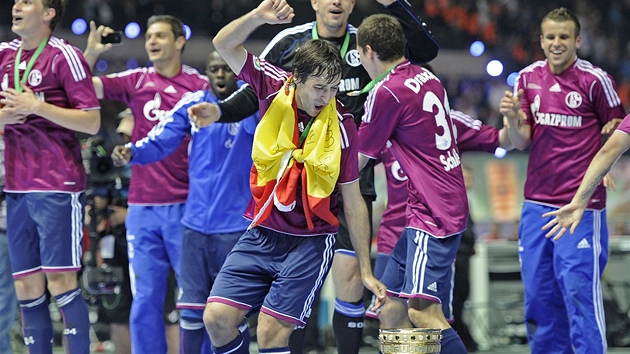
<point x="344" y="46"/>
<point x="29" y="66"/>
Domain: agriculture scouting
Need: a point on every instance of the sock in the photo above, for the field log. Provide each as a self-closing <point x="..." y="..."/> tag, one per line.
<point x="36" y="325"/>
<point x="76" y="321"/>
<point x="297" y="340"/>
<point x="348" y="325"/>
<point x="192" y="334"/>
<point x="451" y="343"/>
<point x="236" y="346"/>
<point x="282" y="350"/>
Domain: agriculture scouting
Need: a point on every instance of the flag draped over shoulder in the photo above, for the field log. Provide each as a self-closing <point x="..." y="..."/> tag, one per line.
<point x="279" y="160"/>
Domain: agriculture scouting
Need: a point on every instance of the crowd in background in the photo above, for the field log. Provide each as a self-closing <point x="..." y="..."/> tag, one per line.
<point x="509" y="29"/>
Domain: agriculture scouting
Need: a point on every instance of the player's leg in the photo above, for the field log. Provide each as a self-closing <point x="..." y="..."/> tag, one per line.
<point x="149" y="267"/>
<point x="579" y="263"/>
<point x="303" y="264"/>
<point x="59" y="219"/>
<point x="428" y="284"/>
<point x="546" y="317"/>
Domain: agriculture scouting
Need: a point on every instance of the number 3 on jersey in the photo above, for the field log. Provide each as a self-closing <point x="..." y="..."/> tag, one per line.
<point x="444" y="141"/>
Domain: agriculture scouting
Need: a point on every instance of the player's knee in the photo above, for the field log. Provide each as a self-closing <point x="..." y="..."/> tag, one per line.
<point x="216" y="320"/>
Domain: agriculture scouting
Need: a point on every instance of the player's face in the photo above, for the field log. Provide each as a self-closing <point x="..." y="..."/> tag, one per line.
<point x="332" y="16"/>
<point x="29" y="16"/>
<point x="315" y="93"/>
<point x="221" y="77"/>
<point x="560" y="44"/>
<point x="161" y="44"/>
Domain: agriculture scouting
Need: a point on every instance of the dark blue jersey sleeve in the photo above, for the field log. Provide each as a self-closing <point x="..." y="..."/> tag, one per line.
<point x="421" y="46"/>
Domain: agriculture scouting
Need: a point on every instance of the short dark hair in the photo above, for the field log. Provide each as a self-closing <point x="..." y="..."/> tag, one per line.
<point x="384" y="34"/>
<point x="317" y="58"/>
<point x="562" y="14"/>
<point x="59" y="6"/>
<point x="177" y="26"/>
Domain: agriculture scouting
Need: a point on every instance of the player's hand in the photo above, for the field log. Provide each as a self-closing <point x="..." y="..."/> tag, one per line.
<point x="511" y="105"/>
<point x="610" y="127"/>
<point x="203" y="114"/>
<point x="275" y="11"/>
<point x="566" y="218"/>
<point x="94" y="46"/>
<point x="377" y="288"/>
<point x="20" y="104"/>
<point x="609" y="183"/>
<point x="121" y="155"/>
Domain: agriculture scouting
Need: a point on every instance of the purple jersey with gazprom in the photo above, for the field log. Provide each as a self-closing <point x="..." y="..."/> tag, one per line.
<point x="625" y="125"/>
<point x="409" y="107"/>
<point x="151" y="96"/>
<point x="267" y="80"/>
<point x="41" y="155"/>
<point x="566" y="113"/>
<point x="472" y="135"/>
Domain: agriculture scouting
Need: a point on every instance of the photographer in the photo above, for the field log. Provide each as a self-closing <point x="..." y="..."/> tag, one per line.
<point x="111" y="263"/>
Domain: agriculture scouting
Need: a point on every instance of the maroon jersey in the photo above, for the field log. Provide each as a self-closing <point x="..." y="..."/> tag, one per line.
<point x="409" y="107"/>
<point x="41" y="155"/>
<point x="566" y="113"/>
<point x="151" y="96"/>
<point x="472" y="135"/>
<point x="266" y="80"/>
<point x="625" y="125"/>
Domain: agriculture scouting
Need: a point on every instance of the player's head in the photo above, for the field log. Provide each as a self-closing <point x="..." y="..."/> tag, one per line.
<point x="332" y="16"/>
<point x="560" y="38"/>
<point x="384" y="35"/>
<point x="221" y="77"/>
<point x="164" y="38"/>
<point x="29" y="16"/>
<point x="59" y="6"/>
<point x="317" y="73"/>
<point x="380" y="39"/>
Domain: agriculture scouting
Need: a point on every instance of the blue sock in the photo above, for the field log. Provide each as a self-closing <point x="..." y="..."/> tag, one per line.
<point x="283" y="350"/>
<point x="348" y="325"/>
<point x="76" y="321"/>
<point x="36" y="325"/>
<point x="451" y="343"/>
<point x="192" y="333"/>
<point x="236" y="346"/>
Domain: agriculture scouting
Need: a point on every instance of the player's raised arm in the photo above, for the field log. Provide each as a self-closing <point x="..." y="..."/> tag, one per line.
<point x="229" y="41"/>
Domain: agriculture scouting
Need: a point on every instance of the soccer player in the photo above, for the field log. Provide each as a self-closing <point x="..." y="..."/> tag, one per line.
<point x="157" y="191"/>
<point x="560" y="107"/>
<point x="219" y="164"/>
<point x="281" y="262"/>
<point x="408" y="106"/>
<point x="331" y="24"/>
<point x="47" y="95"/>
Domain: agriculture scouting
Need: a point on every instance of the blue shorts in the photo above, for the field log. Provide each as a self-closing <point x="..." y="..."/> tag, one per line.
<point x="202" y="258"/>
<point x="421" y="266"/>
<point x="280" y="272"/>
<point x="45" y="231"/>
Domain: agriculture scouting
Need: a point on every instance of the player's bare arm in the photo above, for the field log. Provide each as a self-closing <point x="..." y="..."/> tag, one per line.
<point x="26" y="103"/>
<point x="356" y="214"/>
<point x="94" y="48"/>
<point x="569" y="216"/>
<point x="228" y="42"/>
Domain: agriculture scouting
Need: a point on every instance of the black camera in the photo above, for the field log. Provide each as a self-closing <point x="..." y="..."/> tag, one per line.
<point x="103" y="280"/>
